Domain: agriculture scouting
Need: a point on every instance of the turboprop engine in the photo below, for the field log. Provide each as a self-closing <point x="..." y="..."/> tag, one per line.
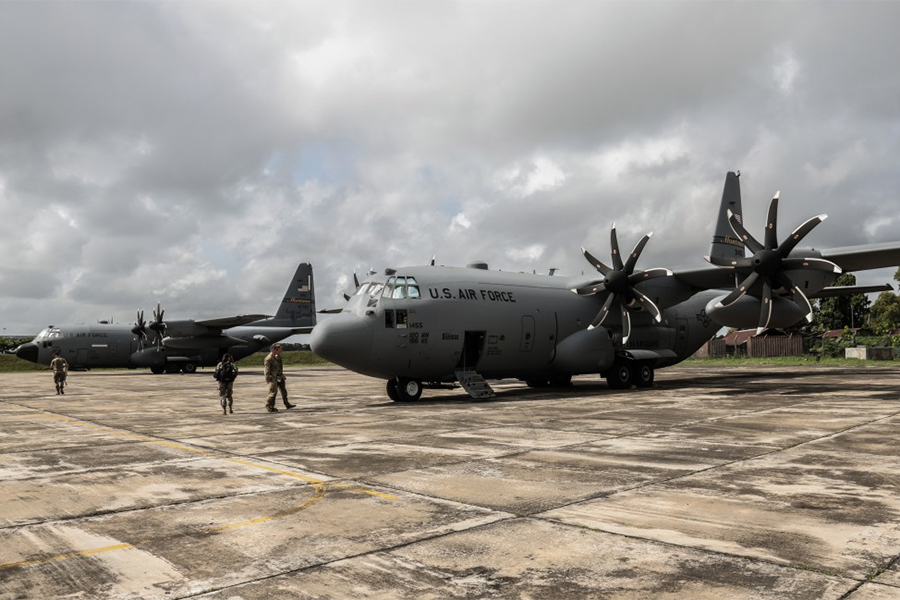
<point x="744" y="312"/>
<point x="148" y="357"/>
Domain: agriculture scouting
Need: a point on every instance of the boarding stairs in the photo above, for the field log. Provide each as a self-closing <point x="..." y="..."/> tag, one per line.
<point x="474" y="384"/>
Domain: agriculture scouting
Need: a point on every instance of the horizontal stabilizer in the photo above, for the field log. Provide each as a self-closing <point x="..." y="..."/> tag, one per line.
<point x="849" y="290"/>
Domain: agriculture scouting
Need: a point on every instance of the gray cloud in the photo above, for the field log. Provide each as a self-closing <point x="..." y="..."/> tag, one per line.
<point x="194" y="153"/>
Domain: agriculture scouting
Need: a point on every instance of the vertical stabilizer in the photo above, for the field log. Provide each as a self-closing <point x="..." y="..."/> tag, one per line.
<point x="298" y="307"/>
<point x="725" y="243"/>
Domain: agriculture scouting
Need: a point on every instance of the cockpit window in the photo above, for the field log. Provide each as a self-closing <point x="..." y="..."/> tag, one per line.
<point x="363" y="288"/>
<point x="48" y="333"/>
<point x="400" y="288"/>
<point x="389" y="288"/>
<point x="412" y="288"/>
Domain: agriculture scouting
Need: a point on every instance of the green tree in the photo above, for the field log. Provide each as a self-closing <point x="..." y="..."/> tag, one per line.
<point x="884" y="316"/>
<point x="838" y="312"/>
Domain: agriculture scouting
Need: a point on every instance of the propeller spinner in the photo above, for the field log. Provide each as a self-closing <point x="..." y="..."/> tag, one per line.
<point x="769" y="263"/>
<point x="618" y="283"/>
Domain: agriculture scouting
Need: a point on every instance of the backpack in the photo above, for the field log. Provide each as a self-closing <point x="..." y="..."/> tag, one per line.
<point x="225" y="372"/>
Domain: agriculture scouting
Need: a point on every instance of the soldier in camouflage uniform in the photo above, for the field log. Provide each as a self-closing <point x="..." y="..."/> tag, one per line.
<point x="274" y="372"/>
<point x="60" y="368"/>
<point x="226" y="372"/>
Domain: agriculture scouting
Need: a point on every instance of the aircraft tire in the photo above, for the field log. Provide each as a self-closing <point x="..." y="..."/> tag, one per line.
<point x="157" y="370"/>
<point x="643" y="376"/>
<point x="172" y="368"/>
<point x="189" y="368"/>
<point x="621" y="376"/>
<point x="560" y="381"/>
<point x="408" y="390"/>
<point x="392" y="389"/>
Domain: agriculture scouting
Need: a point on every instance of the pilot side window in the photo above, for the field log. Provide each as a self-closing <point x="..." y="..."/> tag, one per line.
<point x="412" y="288"/>
<point x="389" y="288"/>
<point x="389" y="319"/>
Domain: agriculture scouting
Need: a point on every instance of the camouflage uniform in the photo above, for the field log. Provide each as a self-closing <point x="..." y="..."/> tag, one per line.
<point x="274" y="372"/>
<point x="226" y="388"/>
<point x="60" y="369"/>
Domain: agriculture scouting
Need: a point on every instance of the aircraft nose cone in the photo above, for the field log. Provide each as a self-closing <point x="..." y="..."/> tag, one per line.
<point x="28" y="351"/>
<point x="344" y="339"/>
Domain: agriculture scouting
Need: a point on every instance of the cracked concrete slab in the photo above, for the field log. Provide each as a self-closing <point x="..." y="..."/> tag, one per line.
<point x="749" y="483"/>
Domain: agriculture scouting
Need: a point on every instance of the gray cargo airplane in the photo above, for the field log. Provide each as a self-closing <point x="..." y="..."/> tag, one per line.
<point x="180" y="345"/>
<point x="430" y="326"/>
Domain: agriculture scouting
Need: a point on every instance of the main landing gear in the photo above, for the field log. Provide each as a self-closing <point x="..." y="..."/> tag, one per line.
<point x="625" y="373"/>
<point x="171" y="368"/>
<point x="404" y="389"/>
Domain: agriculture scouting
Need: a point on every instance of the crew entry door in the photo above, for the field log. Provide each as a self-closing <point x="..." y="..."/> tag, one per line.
<point x="473" y="346"/>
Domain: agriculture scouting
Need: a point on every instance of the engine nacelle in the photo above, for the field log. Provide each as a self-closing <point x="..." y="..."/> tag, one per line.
<point x="586" y="351"/>
<point x="148" y="357"/>
<point x="744" y="313"/>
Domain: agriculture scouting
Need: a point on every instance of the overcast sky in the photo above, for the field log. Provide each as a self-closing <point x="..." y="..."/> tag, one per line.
<point x="193" y="153"/>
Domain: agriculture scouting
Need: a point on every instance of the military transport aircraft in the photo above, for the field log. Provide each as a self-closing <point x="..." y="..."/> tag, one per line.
<point x="181" y="345"/>
<point x="429" y="326"/>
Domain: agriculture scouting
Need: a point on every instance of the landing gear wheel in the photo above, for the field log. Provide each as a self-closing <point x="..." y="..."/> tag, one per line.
<point x="173" y="368"/>
<point x="157" y="370"/>
<point x="392" y="389"/>
<point x="408" y="390"/>
<point x="536" y="383"/>
<point x="621" y="376"/>
<point x="644" y="376"/>
<point x="189" y="368"/>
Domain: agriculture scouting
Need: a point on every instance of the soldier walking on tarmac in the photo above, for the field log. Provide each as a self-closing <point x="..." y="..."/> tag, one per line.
<point x="60" y="368"/>
<point x="274" y="372"/>
<point x="226" y="372"/>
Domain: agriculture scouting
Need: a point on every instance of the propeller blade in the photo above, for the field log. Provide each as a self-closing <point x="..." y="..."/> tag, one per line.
<point x="626" y="323"/>
<point x="648" y="305"/>
<point x="805" y="305"/>
<point x="346" y="296"/>
<point x="596" y="262"/>
<point x="814" y="264"/>
<point x="738" y="229"/>
<point x="731" y="263"/>
<point x="614" y="245"/>
<point x="765" y="308"/>
<point x="636" y="253"/>
<point x="800" y="233"/>
<point x="772" y="223"/>
<point x="355" y="280"/>
<point x="640" y="276"/>
<point x="591" y="289"/>
<point x="604" y="312"/>
<point x="735" y="295"/>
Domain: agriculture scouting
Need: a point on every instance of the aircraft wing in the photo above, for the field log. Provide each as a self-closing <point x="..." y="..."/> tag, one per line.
<point x="706" y="278"/>
<point x="869" y="256"/>
<point x="226" y="322"/>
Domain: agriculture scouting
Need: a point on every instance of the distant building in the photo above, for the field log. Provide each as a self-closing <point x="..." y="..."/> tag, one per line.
<point x="770" y="342"/>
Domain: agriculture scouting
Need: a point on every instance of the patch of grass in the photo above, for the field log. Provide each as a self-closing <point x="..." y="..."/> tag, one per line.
<point x="786" y="361"/>
<point x="291" y="358"/>
<point x="10" y="363"/>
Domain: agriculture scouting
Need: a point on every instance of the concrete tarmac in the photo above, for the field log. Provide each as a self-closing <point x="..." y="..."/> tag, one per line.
<point x="745" y="483"/>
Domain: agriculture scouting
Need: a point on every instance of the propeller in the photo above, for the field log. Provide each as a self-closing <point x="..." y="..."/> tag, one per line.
<point x="140" y="329"/>
<point x="618" y="283"/>
<point x="158" y="325"/>
<point x="769" y="263"/>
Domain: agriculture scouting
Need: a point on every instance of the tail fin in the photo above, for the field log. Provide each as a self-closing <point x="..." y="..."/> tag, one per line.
<point x="724" y="243"/>
<point x="298" y="308"/>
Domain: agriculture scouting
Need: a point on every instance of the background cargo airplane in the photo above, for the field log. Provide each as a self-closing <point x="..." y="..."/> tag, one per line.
<point x="426" y="326"/>
<point x="181" y="345"/>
